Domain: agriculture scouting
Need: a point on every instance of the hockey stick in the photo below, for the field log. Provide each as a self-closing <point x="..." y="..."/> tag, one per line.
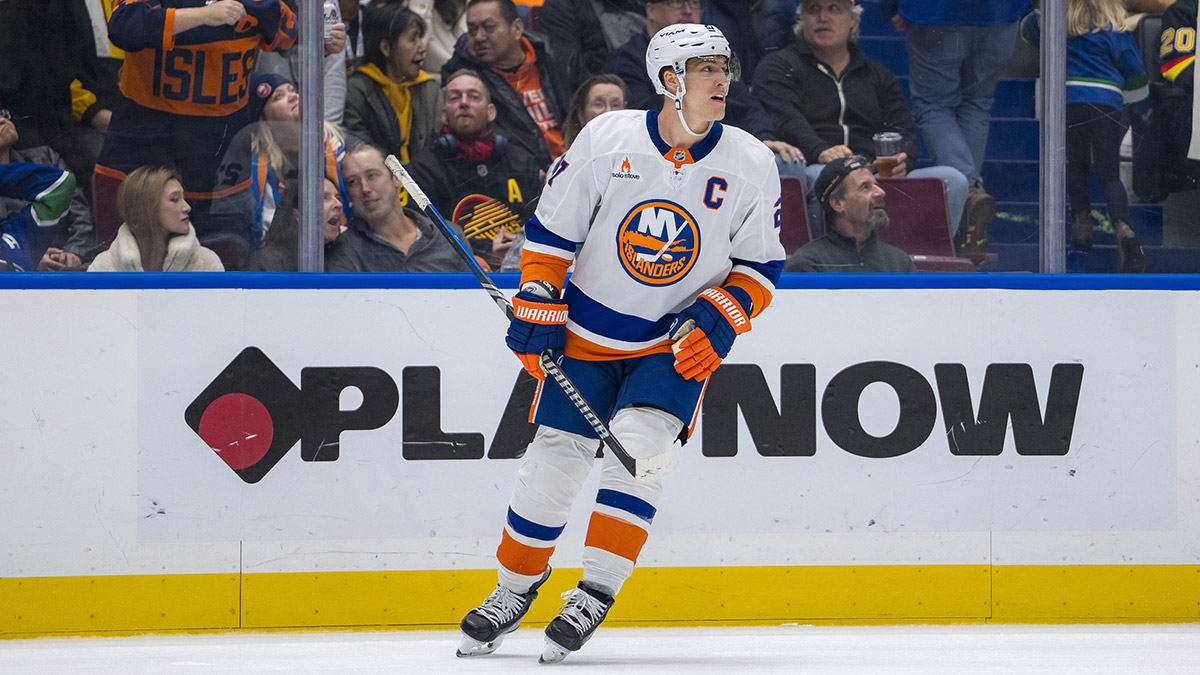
<point x="639" y="468"/>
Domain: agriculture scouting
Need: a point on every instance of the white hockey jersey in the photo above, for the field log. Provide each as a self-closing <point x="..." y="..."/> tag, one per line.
<point x="657" y="225"/>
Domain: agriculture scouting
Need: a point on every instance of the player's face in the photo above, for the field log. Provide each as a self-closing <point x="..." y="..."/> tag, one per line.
<point x="490" y="38"/>
<point x="406" y="55"/>
<point x="659" y="15"/>
<point x="827" y="23"/>
<point x="371" y="186"/>
<point x="333" y="211"/>
<point x="707" y="84"/>
<point x="284" y="105"/>
<point x="467" y="110"/>
<point x="864" y="200"/>
<point x="173" y="209"/>
<point x="600" y="99"/>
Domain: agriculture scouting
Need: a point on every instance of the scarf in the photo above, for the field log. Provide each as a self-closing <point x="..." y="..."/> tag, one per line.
<point x="475" y="149"/>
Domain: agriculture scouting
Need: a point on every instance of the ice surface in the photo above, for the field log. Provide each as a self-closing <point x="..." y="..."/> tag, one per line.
<point x="812" y="650"/>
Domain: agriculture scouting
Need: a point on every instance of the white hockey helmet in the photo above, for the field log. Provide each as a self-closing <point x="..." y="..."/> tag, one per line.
<point x="672" y="46"/>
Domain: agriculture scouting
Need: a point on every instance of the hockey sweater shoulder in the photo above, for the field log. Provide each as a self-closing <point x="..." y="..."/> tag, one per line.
<point x="650" y="226"/>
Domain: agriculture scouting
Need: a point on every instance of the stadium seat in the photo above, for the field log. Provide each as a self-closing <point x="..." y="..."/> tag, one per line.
<point x="793" y="214"/>
<point x="920" y="224"/>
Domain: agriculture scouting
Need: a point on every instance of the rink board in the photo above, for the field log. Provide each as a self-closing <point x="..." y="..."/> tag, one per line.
<point x="822" y="482"/>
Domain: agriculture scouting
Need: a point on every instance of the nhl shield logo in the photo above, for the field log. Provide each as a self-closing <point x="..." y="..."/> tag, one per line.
<point x="680" y="155"/>
<point x="658" y="242"/>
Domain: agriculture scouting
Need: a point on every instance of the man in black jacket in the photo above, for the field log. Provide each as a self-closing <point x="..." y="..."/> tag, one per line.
<point x="473" y="175"/>
<point x="742" y="110"/>
<point x="828" y="99"/>
<point x="527" y="86"/>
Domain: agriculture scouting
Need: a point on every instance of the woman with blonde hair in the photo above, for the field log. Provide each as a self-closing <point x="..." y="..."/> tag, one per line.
<point x="1104" y="73"/>
<point x="157" y="235"/>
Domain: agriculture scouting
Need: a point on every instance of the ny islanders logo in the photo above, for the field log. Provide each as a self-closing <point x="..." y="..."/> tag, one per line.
<point x="657" y="242"/>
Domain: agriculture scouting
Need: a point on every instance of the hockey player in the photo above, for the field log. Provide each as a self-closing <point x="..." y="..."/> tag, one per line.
<point x="675" y="218"/>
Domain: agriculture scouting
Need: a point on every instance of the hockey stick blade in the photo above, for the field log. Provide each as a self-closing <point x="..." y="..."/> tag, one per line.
<point x="636" y="468"/>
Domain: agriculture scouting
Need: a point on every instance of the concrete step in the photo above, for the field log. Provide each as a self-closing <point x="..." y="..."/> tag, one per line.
<point x="1017" y="223"/>
<point x="1100" y="260"/>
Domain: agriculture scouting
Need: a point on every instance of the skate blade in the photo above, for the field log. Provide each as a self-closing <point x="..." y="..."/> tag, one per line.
<point x="552" y="653"/>
<point x="472" y="647"/>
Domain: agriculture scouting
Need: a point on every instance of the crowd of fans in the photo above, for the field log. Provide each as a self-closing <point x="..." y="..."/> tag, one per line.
<point x="175" y="122"/>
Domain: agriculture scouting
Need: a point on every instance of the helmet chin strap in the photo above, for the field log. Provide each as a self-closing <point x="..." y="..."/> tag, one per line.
<point x="679" y="110"/>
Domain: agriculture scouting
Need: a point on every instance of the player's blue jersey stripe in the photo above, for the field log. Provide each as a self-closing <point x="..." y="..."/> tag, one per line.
<point x="698" y="151"/>
<point x="536" y="232"/>
<point x="602" y="320"/>
<point x="770" y="270"/>
<point x="627" y="503"/>
<point x="528" y="528"/>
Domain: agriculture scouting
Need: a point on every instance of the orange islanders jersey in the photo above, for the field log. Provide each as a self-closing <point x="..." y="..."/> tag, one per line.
<point x="657" y="226"/>
<point x="203" y="71"/>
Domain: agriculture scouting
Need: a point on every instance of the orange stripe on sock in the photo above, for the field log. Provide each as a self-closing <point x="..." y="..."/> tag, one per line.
<point x="521" y="559"/>
<point x="615" y="536"/>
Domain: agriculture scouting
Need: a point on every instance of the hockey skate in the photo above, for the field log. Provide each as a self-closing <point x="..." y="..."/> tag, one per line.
<point x="574" y="625"/>
<point x="484" y="627"/>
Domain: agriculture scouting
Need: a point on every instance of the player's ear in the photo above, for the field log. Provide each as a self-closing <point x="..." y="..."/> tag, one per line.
<point x="386" y="48"/>
<point x="670" y="80"/>
<point x="518" y="26"/>
<point x="491" y="112"/>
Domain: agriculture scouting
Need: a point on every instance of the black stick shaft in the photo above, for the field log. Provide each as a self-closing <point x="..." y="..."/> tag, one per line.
<point x="501" y="300"/>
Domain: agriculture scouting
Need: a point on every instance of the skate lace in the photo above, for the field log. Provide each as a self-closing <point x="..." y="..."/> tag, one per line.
<point x="582" y="611"/>
<point x="501" y="606"/>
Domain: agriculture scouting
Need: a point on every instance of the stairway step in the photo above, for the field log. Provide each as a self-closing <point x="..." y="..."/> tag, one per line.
<point x="1017" y="223"/>
<point x="1011" y="180"/>
<point x="1010" y="138"/>
<point x="1100" y="260"/>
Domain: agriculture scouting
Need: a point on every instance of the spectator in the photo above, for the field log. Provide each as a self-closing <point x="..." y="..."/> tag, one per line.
<point x="185" y="83"/>
<point x="445" y="21"/>
<point x="598" y="94"/>
<point x="46" y="193"/>
<point x="584" y="32"/>
<point x="528" y="88"/>
<point x="854" y="208"/>
<point x="754" y="28"/>
<point x="391" y="102"/>
<point x="70" y="243"/>
<point x="265" y="153"/>
<point x="956" y="54"/>
<point x="95" y="92"/>
<point x="1104" y="71"/>
<point x="44" y="46"/>
<point x="280" y="249"/>
<point x="1177" y="62"/>
<point x="742" y="110"/>
<point x="828" y="99"/>
<point x="384" y="235"/>
<point x="474" y="176"/>
<point x="157" y="235"/>
<point x="334" y="78"/>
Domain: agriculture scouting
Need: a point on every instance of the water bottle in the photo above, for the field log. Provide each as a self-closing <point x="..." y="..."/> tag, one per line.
<point x="333" y="14"/>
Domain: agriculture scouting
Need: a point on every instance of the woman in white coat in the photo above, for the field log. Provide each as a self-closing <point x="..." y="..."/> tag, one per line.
<point x="157" y="234"/>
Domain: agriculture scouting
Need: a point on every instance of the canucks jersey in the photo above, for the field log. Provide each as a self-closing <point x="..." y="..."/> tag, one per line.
<point x="654" y="226"/>
<point x="203" y="71"/>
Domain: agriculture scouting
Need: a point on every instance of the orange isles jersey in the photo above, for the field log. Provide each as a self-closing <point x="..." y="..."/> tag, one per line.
<point x="657" y="225"/>
<point x="204" y="71"/>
